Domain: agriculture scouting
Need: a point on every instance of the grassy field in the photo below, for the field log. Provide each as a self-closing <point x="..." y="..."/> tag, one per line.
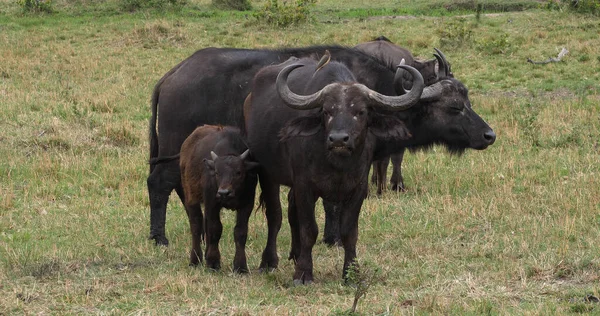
<point x="514" y="229"/>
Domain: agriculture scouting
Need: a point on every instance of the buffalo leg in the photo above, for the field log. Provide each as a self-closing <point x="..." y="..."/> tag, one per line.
<point x="396" y="181"/>
<point x="307" y="227"/>
<point x="349" y="228"/>
<point x="214" y="229"/>
<point x="270" y="197"/>
<point x="381" y="170"/>
<point x="331" y="235"/>
<point x="374" y="174"/>
<point x="294" y="228"/>
<point x="240" y="235"/>
<point x="162" y="180"/>
<point x="194" y="212"/>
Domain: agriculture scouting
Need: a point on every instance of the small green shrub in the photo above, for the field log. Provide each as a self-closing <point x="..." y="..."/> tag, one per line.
<point x="134" y="5"/>
<point x="579" y="6"/>
<point x="240" y="5"/>
<point x="455" y="34"/>
<point x="361" y="275"/>
<point x="493" y="45"/>
<point x="36" y="6"/>
<point x="284" y="14"/>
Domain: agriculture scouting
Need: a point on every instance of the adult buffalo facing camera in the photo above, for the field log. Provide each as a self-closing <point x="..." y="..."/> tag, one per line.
<point x="313" y="127"/>
<point x="443" y="116"/>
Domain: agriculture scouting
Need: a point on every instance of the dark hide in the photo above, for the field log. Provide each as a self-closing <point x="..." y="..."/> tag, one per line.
<point x="302" y="149"/>
<point x="391" y="55"/>
<point x="216" y="172"/>
<point x="209" y="87"/>
<point x="443" y="116"/>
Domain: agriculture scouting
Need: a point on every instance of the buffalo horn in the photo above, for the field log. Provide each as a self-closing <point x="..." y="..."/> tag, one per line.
<point x="399" y="80"/>
<point x="245" y="154"/>
<point x="443" y="65"/>
<point x="295" y="101"/>
<point x="403" y="102"/>
<point x="448" y="66"/>
<point x="213" y="155"/>
<point x="432" y="92"/>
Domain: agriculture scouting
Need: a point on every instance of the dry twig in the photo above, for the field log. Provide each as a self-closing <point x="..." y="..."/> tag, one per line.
<point x="562" y="53"/>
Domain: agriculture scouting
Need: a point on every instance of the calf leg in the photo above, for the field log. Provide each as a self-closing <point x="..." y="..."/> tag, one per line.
<point x="194" y="212"/>
<point x="396" y="181"/>
<point x="240" y="235"/>
<point x="214" y="229"/>
<point x="162" y="180"/>
<point x="307" y="227"/>
<point x="270" y="197"/>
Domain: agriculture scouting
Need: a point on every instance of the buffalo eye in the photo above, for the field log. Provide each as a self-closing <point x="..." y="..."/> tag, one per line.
<point x="361" y="112"/>
<point x="326" y="113"/>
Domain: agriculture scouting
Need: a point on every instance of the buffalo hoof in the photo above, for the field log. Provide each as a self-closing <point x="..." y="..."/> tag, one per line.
<point x="159" y="240"/>
<point x="299" y="282"/>
<point x="214" y="266"/>
<point x="332" y="241"/>
<point x="269" y="261"/>
<point x="267" y="266"/>
<point x="398" y="187"/>
<point x="266" y="269"/>
<point x="241" y="270"/>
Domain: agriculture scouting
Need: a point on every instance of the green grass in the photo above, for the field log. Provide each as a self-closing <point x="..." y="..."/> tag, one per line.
<point x="513" y="229"/>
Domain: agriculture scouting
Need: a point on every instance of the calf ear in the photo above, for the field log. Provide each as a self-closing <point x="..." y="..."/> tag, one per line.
<point x="210" y="164"/>
<point x="388" y="127"/>
<point x="301" y="126"/>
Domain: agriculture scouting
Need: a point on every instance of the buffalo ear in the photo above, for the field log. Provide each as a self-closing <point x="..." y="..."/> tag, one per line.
<point x="210" y="164"/>
<point x="388" y="127"/>
<point x="301" y="126"/>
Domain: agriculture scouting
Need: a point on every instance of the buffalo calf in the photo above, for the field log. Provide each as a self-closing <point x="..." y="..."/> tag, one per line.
<point x="215" y="169"/>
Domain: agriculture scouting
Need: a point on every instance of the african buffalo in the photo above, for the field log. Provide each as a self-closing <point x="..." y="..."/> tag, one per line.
<point x="390" y="54"/>
<point x="215" y="169"/>
<point x="443" y="116"/>
<point x="314" y="128"/>
<point x="209" y="87"/>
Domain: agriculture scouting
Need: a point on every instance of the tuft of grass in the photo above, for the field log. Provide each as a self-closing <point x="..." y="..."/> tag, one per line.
<point x="283" y="14"/>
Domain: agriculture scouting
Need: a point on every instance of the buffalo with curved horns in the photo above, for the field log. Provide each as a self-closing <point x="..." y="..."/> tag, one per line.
<point x="314" y="128"/>
<point x="442" y="116"/>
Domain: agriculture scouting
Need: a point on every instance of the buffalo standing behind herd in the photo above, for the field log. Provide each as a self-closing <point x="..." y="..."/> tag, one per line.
<point x="313" y="119"/>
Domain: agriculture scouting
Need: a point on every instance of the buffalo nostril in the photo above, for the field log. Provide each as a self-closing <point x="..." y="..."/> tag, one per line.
<point x="339" y="137"/>
<point x="223" y="192"/>
<point x="490" y="136"/>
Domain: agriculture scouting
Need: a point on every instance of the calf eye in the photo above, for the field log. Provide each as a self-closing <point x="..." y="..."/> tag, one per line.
<point x="361" y="113"/>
